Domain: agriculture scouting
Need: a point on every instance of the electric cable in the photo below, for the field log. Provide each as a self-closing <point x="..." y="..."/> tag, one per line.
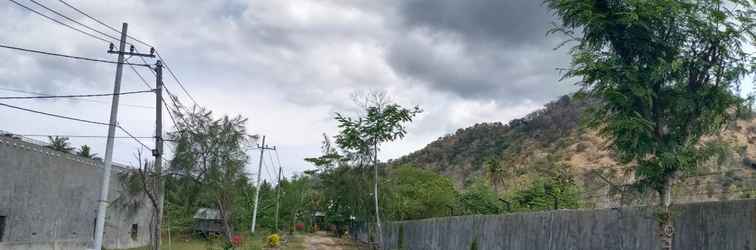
<point x="73" y="96"/>
<point x="59" y="22"/>
<point x="67" y="56"/>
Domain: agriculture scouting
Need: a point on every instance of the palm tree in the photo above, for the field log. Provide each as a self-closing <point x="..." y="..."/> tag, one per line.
<point x="60" y="144"/>
<point x="495" y="173"/>
<point x="84" y="151"/>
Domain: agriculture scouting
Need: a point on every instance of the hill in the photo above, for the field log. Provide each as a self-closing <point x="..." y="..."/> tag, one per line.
<point x="552" y="139"/>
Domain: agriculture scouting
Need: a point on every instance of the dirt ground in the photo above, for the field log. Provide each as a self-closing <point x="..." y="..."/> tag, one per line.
<point x="323" y="241"/>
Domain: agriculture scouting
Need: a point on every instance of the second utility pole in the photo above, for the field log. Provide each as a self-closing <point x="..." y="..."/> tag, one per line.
<point x="158" y="151"/>
<point x="278" y="194"/>
<point x="262" y="148"/>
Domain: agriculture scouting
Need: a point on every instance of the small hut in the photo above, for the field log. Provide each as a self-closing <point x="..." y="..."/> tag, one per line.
<point x="208" y="221"/>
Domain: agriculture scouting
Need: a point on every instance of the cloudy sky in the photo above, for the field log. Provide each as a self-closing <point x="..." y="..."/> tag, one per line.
<point x="288" y="65"/>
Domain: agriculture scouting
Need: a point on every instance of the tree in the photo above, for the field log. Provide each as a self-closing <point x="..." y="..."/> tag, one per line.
<point x="547" y="194"/>
<point x="663" y="71"/>
<point x="495" y="173"/>
<point x="60" y="144"/>
<point x="210" y="153"/>
<point x="382" y="122"/>
<point x="147" y="180"/>
<point x="478" y="198"/>
<point x="414" y="193"/>
<point x="85" y="151"/>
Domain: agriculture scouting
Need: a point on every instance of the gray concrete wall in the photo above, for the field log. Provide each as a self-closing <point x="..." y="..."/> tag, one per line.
<point x="729" y="225"/>
<point x="50" y="198"/>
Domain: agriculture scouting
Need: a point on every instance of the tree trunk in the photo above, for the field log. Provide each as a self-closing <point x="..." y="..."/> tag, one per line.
<point x="375" y="194"/>
<point x="156" y="232"/>
<point x="666" y="225"/>
<point x="225" y="219"/>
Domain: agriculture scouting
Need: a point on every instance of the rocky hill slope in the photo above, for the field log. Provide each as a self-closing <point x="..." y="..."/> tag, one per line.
<point x="552" y="139"/>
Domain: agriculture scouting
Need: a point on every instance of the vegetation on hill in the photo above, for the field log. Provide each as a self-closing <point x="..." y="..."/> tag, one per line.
<point x="514" y="157"/>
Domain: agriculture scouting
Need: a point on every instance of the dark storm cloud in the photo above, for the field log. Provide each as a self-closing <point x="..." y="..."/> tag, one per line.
<point x="507" y="22"/>
<point x="480" y="49"/>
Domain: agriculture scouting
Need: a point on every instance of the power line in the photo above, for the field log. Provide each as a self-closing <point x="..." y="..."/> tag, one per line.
<point x="165" y="104"/>
<point x="82" y="136"/>
<point x="173" y="75"/>
<point x="176" y="78"/>
<point x="102" y="23"/>
<point x="167" y="91"/>
<point x="80" y="99"/>
<point x="71" y="96"/>
<point x="133" y="137"/>
<point x="67" y="56"/>
<point x="80" y="120"/>
<point x="54" y="115"/>
<point x="278" y="160"/>
<point x="60" y="22"/>
<point x="72" y="20"/>
<point x="273" y="165"/>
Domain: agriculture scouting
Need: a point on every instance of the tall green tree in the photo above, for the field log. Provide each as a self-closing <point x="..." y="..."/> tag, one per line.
<point x="210" y="154"/>
<point x="664" y="71"/>
<point x="382" y="122"/>
<point x="60" y="144"/>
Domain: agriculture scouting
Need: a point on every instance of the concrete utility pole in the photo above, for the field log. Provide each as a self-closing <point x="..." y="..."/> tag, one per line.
<point x="113" y="123"/>
<point x="278" y="194"/>
<point x="158" y="151"/>
<point x="262" y="148"/>
<point x="103" y="202"/>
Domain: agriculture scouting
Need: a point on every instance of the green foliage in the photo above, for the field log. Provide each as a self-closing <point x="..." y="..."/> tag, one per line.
<point x="478" y="198"/>
<point x="60" y="144"/>
<point x="478" y="146"/>
<point x="547" y="194"/>
<point x="209" y="163"/>
<point x="474" y="244"/>
<point x="663" y="71"/>
<point x="380" y="123"/>
<point x="85" y="151"/>
<point x="413" y="193"/>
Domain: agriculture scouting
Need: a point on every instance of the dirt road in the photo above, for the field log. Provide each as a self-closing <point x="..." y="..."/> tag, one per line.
<point x="322" y="241"/>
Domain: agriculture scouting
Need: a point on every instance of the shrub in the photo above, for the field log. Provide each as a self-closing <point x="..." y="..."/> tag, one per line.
<point x="274" y="240"/>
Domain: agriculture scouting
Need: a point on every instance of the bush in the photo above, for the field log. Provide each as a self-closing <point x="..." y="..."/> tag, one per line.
<point x="274" y="240"/>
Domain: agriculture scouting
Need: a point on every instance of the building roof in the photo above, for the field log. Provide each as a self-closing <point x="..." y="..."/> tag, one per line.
<point x="207" y="214"/>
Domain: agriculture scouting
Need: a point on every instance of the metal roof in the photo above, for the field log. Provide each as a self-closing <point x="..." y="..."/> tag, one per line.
<point x="207" y="214"/>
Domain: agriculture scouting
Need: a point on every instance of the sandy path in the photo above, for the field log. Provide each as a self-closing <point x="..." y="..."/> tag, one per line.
<point x="321" y="241"/>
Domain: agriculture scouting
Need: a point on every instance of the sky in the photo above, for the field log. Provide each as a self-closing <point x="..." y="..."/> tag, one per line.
<point x="288" y="66"/>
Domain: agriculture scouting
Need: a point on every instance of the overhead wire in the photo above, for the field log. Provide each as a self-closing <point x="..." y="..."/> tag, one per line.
<point x="101" y="22"/>
<point x="273" y="165"/>
<point x="54" y="115"/>
<point x="82" y="136"/>
<point x="92" y="59"/>
<point x="176" y="78"/>
<point x="73" y="20"/>
<point x="133" y="137"/>
<point x="129" y="134"/>
<point x="165" y="63"/>
<point x="66" y="56"/>
<point x="73" y="96"/>
<point x="78" y="99"/>
<point x="59" y="22"/>
<point x="279" y="162"/>
<point x="165" y="104"/>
